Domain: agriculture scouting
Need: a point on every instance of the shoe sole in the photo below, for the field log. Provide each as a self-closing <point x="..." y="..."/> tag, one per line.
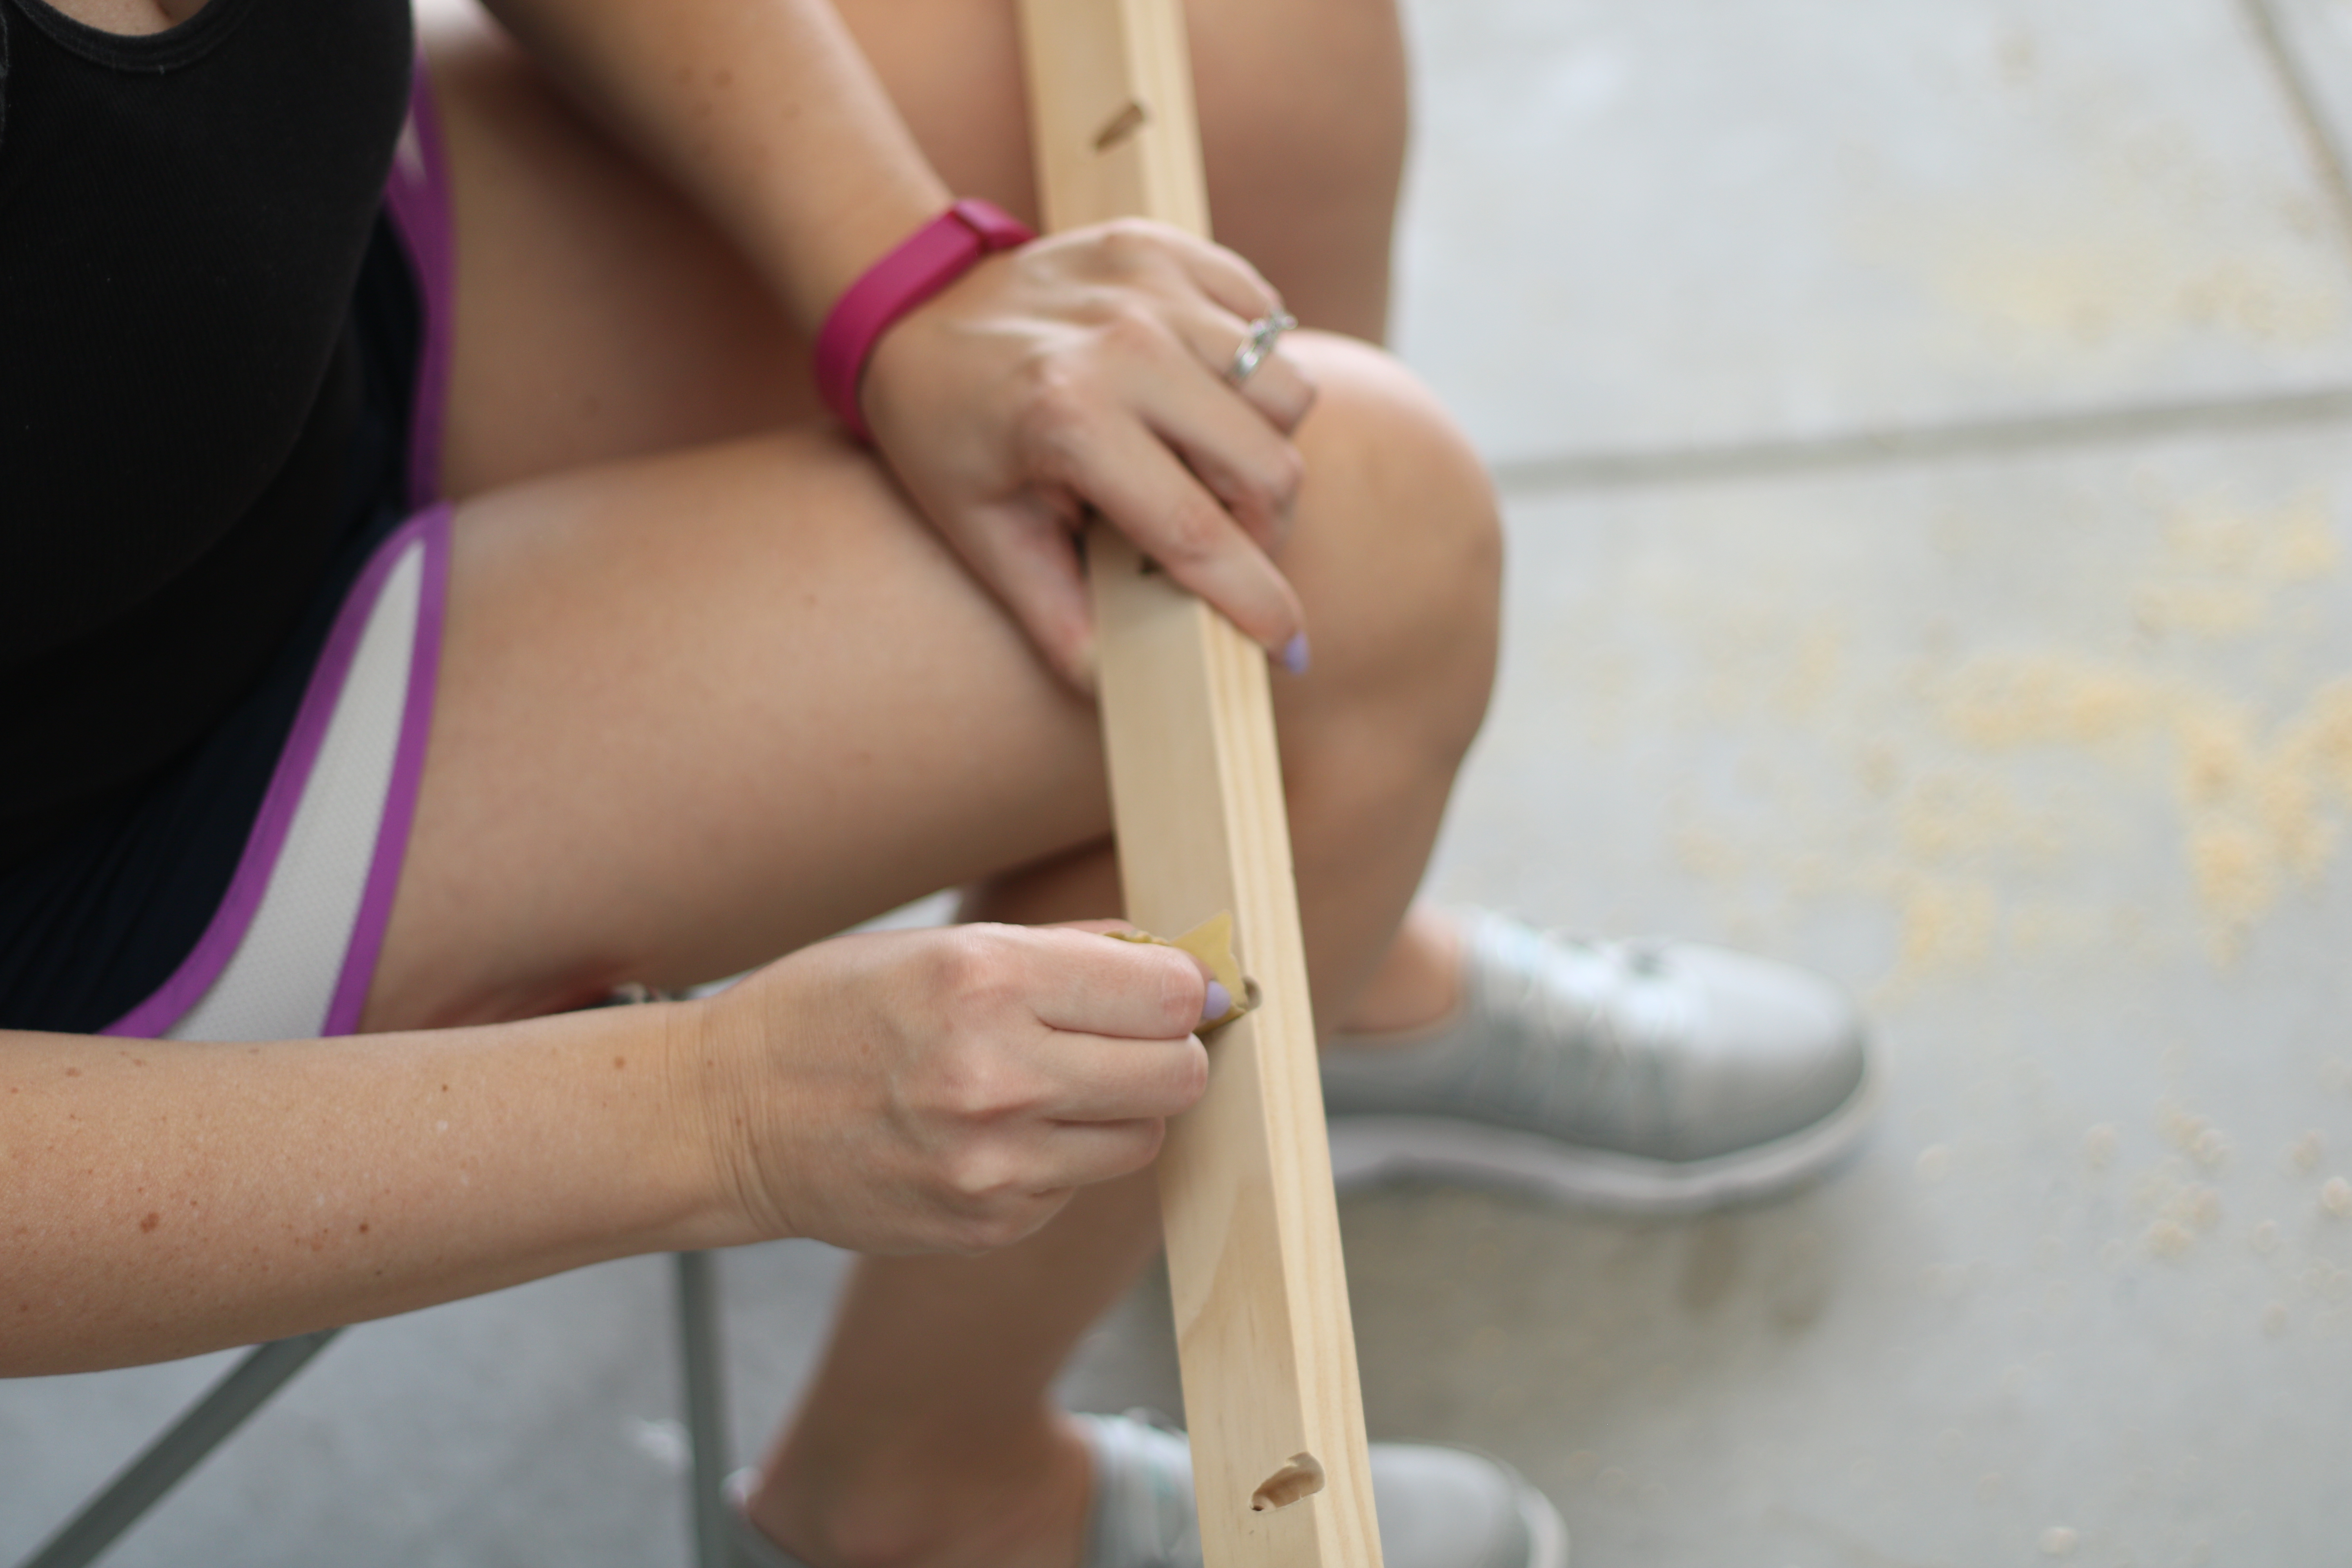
<point x="1547" y="1532"/>
<point x="1368" y="1149"/>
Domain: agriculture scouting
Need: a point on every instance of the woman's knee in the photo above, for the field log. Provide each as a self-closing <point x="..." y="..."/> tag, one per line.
<point x="1401" y="547"/>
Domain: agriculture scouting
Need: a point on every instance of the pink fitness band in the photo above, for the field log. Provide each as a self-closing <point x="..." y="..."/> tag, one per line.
<point x="925" y="262"/>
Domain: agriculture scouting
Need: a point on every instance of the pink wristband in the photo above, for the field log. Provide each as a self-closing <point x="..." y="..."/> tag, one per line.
<point x="926" y="261"/>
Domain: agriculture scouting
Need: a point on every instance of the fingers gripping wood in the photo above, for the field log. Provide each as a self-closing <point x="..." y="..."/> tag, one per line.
<point x="1264" y="1335"/>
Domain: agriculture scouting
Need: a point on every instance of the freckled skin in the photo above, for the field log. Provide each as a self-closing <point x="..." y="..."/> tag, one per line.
<point x="150" y="1221"/>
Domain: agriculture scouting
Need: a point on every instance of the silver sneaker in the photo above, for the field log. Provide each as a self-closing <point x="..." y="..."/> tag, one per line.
<point x="1439" y="1508"/>
<point x="1657" y="1077"/>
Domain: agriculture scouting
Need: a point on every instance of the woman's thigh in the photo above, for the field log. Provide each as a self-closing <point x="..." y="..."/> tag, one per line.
<point x="697" y="709"/>
<point x="600" y="317"/>
<point x="700" y="709"/>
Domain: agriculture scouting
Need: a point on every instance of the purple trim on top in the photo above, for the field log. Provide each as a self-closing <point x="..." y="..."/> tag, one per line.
<point x="196" y="973"/>
<point x="408" y="774"/>
<point x="418" y="195"/>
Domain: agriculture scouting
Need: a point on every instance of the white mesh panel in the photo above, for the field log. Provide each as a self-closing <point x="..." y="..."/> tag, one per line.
<point x="281" y="980"/>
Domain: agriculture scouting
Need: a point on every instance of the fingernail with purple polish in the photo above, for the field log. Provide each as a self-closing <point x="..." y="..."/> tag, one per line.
<point x="1294" y="653"/>
<point x="1218" y="1002"/>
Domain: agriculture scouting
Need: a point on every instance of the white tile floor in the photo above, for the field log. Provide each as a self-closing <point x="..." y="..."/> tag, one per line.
<point x="1925" y="436"/>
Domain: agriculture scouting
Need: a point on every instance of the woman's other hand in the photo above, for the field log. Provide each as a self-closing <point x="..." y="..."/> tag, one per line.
<point x="946" y="1090"/>
<point x="1087" y="370"/>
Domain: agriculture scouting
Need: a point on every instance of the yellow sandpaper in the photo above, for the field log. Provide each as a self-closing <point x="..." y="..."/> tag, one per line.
<point x="1211" y="941"/>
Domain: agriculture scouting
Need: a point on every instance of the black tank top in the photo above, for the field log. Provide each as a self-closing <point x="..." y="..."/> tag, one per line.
<point x="183" y="217"/>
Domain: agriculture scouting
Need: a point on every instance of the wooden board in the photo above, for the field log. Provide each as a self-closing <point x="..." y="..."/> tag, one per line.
<point x="1267" y="1347"/>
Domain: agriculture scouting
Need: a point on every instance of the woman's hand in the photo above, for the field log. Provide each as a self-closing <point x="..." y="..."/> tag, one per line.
<point x="1087" y="370"/>
<point x="1082" y="370"/>
<point x="947" y="1090"/>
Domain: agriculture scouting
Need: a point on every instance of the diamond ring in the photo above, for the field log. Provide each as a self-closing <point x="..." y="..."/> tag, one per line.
<point x="1264" y="333"/>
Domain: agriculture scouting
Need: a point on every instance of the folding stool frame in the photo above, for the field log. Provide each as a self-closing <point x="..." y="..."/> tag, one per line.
<point x="248" y="1385"/>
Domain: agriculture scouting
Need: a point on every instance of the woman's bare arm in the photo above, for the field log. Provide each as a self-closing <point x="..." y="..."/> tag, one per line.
<point x="1086" y="371"/>
<point x="916" y="1092"/>
<point x="764" y="110"/>
<point x="160" y="1198"/>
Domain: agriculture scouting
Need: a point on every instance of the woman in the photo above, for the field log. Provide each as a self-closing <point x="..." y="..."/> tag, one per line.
<point x="420" y="640"/>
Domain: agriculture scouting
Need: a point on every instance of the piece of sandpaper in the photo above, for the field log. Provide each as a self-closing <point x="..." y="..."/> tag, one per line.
<point x="1211" y="941"/>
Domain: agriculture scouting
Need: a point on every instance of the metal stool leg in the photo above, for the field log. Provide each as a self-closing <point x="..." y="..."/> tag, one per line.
<point x="208" y="1423"/>
<point x="706" y="1410"/>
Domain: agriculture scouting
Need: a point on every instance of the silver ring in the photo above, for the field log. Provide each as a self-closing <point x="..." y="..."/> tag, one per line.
<point x="1264" y="333"/>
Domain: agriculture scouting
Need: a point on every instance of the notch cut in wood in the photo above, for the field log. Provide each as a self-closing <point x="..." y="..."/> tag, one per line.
<point x="1123" y="125"/>
<point x="1301" y="1477"/>
<point x="1264" y="1335"/>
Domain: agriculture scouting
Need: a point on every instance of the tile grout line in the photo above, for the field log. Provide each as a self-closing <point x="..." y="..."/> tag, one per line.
<point x="1879" y="449"/>
<point x="2261" y="16"/>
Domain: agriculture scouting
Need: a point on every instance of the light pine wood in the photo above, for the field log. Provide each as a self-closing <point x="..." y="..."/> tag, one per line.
<point x="1267" y="1347"/>
<point x="1110" y="112"/>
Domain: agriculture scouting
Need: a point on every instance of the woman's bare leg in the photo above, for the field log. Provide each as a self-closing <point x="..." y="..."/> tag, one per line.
<point x="702" y="709"/>
<point x="695" y="620"/>
<point x="910" y="1448"/>
<point x="601" y="318"/>
<point x="928" y="1435"/>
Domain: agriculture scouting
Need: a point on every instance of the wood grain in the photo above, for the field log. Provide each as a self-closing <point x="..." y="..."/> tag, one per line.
<point x="1264" y="1335"/>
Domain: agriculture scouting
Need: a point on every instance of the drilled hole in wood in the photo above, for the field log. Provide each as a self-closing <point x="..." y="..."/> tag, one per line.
<point x="1123" y="125"/>
<point x="1301" y="1478"/>
<point x="1252" y="996"/>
